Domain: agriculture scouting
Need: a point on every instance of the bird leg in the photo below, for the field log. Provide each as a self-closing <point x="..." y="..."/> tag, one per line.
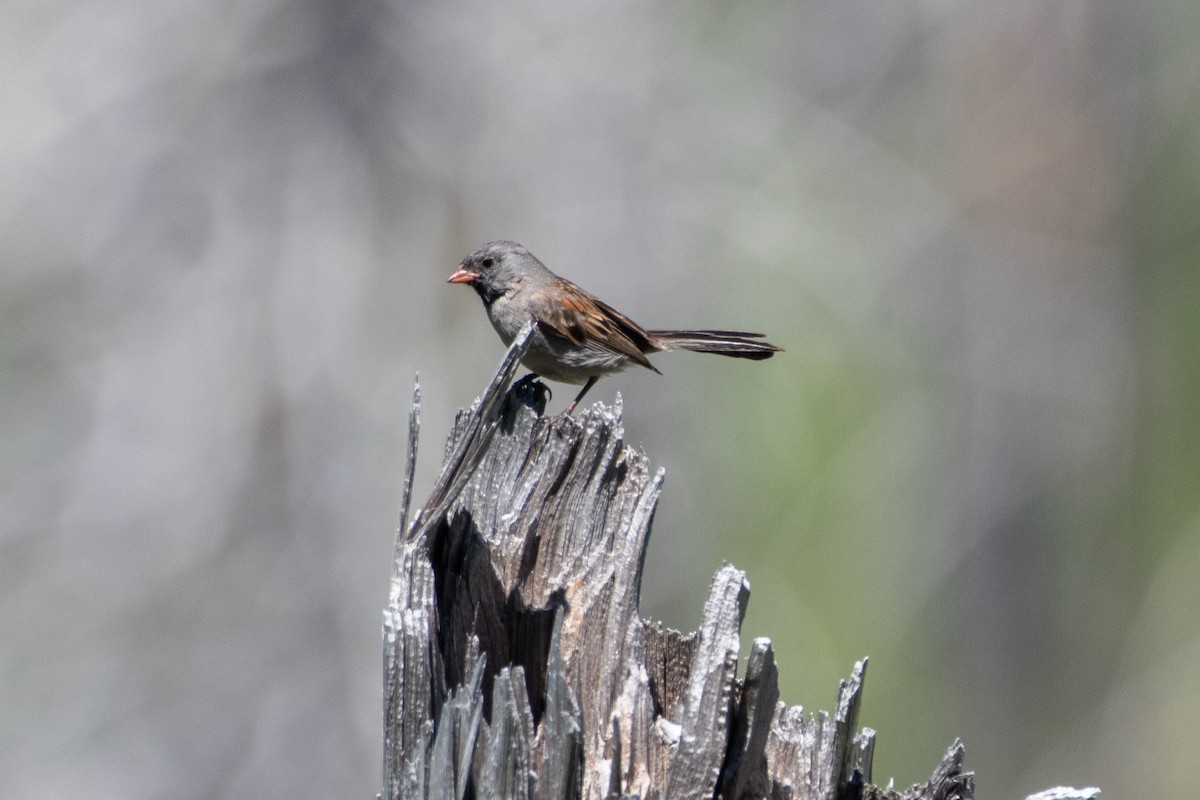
<point x="590" y="383"/>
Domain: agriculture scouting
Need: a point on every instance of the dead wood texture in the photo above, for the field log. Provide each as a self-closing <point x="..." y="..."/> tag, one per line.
<point x="516" y="664"/>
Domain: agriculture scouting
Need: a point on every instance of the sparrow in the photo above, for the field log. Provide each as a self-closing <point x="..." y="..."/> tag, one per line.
<point x="578" y="338"/>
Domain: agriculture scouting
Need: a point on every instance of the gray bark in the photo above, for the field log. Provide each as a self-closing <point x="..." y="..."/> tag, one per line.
<point x="516" y="664"/>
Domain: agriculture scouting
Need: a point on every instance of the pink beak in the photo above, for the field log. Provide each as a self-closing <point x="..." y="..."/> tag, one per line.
<point x="463" y="276"/>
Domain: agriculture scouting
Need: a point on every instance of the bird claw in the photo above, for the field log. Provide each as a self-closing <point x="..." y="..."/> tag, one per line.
<point x="531" y="392"/>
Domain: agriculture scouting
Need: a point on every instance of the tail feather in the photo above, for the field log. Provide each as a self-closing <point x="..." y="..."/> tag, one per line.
<point x="738" y="344"/>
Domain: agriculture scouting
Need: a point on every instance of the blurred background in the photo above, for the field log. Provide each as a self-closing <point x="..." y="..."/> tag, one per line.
<point x="225" y="230"/>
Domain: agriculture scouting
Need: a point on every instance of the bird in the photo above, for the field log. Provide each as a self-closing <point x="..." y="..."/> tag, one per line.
<point x="578" y="338"/>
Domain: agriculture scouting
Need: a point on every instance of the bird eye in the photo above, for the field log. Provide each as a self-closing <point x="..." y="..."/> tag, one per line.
<point x="488" y="262"/>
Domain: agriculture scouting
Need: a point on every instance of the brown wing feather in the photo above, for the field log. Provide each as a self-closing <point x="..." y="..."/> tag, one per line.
<point x="583" y="320"/>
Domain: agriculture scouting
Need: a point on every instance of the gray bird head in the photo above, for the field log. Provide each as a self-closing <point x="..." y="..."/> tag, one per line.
<point x="498" y="267"/>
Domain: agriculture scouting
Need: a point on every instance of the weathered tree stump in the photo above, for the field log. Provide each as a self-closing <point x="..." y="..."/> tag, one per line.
<point x="516" y="664"/>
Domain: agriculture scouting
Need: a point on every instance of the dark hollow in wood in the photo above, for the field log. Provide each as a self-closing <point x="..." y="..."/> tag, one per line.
<point x="516" y="664"/>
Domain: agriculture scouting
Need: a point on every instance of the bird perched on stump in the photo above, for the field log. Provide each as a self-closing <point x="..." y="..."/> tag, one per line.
<point x="578" y="338"/>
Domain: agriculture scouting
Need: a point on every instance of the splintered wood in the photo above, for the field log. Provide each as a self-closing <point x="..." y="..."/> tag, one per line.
<point x="516" y="663"/>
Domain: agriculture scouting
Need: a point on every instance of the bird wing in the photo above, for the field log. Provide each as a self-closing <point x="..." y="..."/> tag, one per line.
<point x="584" y="321"/>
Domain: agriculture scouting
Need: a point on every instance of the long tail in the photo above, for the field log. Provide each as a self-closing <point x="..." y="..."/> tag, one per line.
<point x="725" y="343"/>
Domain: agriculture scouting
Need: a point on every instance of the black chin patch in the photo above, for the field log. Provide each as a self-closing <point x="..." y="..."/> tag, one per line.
<point x="487" y="293"/>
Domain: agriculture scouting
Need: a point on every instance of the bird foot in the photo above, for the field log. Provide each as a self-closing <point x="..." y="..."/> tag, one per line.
<point x="531" y="392"/>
